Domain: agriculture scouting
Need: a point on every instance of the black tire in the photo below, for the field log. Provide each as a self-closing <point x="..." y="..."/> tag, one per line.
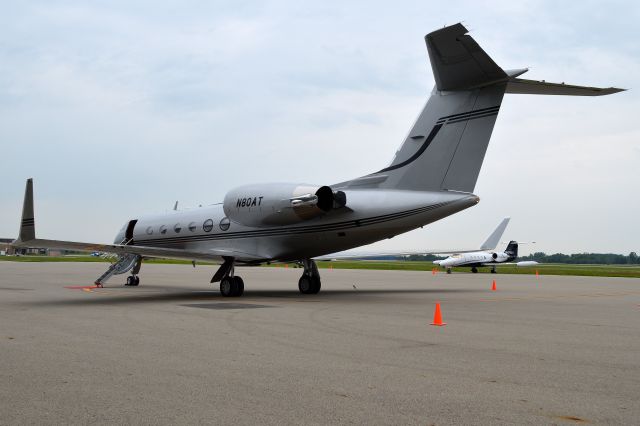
<point x="239" y="286"/>
<point x="309" y="285"/>
<point x="448" y="271"/>
<point x="130" y="280"/>
<point x="305" y="284"/>
<point x="493" y="271"/>
<point x="316" y="285"/>
<point x="136" y="280"/>
<point x="227" y="287"/>
<point x="474" y="270"/>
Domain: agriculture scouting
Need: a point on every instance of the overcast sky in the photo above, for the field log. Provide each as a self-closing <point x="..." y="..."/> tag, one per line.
<point x="117" y="110"/>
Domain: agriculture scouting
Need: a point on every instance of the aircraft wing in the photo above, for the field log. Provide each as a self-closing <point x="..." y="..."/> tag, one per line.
<point x="145" y="251"/>
<point x="489" y="244"/>
<point x="347" y="255"/>
<point x="27" y="238"/>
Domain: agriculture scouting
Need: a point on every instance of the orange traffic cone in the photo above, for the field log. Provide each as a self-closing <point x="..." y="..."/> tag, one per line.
<point x="536" y="273"/>
<point x="286" y="265"/>
<point x="437" y="317"/>
<point x="493" y="286"/>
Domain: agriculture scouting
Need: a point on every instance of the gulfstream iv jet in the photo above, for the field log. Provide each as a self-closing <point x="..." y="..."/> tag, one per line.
<point x="432" y="176"/>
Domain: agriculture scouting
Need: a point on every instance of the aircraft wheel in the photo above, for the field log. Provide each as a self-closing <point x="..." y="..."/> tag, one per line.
<point x="308" y="284"/>
<point x="227" y="287"/>
<point x="448" y="271"/>
<point x="316" y="285"/>
<point x="304" y="284"/>
<point x="493" y="271"/>
<point x="474" y="270"/>
<point x="132" y="281"/>
<point x="239" y="284"/>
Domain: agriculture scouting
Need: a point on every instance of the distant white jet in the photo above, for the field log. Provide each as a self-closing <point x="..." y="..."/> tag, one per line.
<point x="487" y="256"/>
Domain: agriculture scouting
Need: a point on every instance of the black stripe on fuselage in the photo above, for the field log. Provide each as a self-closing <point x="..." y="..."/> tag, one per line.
<point x="336" y="226"/>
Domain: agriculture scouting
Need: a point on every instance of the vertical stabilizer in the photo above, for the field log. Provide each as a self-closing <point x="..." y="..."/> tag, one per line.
<point x="512" y="249"/>
<point x="446" y="146"/>
<point x="27" y="225"/>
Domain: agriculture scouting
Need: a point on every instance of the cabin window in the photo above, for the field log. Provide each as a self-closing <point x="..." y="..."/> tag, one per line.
<point x="225" y="223"/>
<point x="163" y="229"/>
<point x="177" y="227"/>
<point x="192" y="227"/>
<point x="150" y="230"/>
<point x="207" y="225"/>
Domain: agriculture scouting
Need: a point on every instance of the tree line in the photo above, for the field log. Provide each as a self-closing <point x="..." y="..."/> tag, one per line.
<point x="576" y="258"/>
<point x="585" y="258"/>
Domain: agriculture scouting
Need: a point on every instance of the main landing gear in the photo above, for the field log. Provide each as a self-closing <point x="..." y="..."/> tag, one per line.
<point x="493" y="270"/>
<point x="233" y="286"/>
<point x="309" y="282"/>
<point x="474" y="270"/>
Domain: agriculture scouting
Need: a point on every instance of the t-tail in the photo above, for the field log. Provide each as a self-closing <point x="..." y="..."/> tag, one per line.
<point x="512" y="249"/>
<point x="446" y="146"/>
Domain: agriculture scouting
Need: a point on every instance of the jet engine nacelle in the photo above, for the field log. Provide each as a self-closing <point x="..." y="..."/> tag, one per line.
<point x="500" y="257"/>
<point x="280" y="203"/>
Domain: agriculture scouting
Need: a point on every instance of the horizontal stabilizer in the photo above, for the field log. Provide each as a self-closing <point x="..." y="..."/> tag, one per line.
<point x="533" y="87"/>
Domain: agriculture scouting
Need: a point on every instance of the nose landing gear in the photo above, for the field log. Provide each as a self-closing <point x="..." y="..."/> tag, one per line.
<point x="232" y="286"/>
<point x="133" y="280"/>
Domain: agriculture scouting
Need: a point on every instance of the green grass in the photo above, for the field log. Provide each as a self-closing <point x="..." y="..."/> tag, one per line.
<point x="629" y="271"/>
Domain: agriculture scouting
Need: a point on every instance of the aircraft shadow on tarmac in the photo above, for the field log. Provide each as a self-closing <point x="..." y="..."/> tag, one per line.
<point x="171" y="295"/>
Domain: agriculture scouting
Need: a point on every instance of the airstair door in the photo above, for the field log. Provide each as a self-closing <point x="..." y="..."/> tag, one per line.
<point x="128" y="235"/>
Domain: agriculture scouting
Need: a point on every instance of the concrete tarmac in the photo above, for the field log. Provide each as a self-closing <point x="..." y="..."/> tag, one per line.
<point x="547" y="350"/>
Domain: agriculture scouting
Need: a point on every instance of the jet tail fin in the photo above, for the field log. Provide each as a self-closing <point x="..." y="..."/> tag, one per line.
<point x="458" y="62"/>
<point x="27" y="225"/>
<point x="512" y="249"/>
<point x="495" y="236"/>
<point x="445" y="148"/>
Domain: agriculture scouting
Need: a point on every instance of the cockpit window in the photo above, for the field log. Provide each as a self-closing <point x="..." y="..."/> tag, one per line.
<point x="192" y="226"/>
<point x="207" y="225"/>
<point x="177" y="227"/>
<point x="163" y="229"/>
